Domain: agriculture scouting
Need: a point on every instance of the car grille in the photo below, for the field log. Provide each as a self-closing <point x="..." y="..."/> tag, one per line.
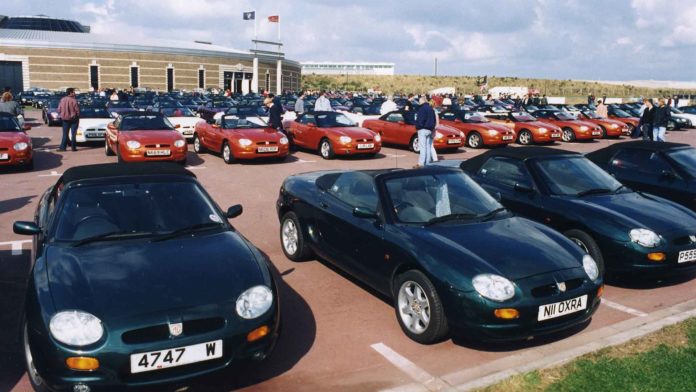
<point x="96" y="129"/>
<point x="680" y="241"/>
<point x="268" y="143"/>
<point x="4" y="149"/>
<point x="550" y="289"/>
<point x="161" y="332"/>
<point x="363" y="140"/>
<point x="157" y="146"/>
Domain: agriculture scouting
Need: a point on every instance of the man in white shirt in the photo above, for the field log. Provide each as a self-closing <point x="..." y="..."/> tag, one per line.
<point x="322" y="104"/>
<point x="388" y="106"/>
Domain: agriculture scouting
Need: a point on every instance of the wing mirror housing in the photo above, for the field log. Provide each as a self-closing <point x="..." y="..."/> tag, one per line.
<point x="234" y="211"/>
<point x="26" y="228"/>
<point x="362" y="212"/>
<point x="523" y="188"/>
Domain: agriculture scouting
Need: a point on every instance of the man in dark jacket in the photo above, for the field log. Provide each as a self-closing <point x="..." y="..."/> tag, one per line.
<point x="274" y="114"/>
<point x="660" y="119"/>
<point x="646" y="120"/>
<point x="425" y="125"/>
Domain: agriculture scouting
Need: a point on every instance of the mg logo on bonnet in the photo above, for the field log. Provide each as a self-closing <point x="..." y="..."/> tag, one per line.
<point x="561" y="286"/>
<point x="692" y="238"/>
<point x="176" y="329"/>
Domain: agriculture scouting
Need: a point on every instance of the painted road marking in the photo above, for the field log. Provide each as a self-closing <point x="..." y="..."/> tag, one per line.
<point x="195" y="167"/>
<point x="303" y="161"/>
<point x="16" y="246"/>
<point x="394" y="155"/>
<point x="53" y="174"/>
<point x="429" y="381"/>
<point x="623" y="308"/>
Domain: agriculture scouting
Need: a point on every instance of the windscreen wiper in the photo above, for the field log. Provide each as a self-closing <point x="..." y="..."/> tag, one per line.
<point x="489" y="215"/>
<point x="186" y="230"/>
<point x="112" y="235"/>
<point x="593" y="191"/>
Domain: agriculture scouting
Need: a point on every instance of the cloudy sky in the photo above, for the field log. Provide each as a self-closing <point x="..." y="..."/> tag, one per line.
<point x="560" y="39"/>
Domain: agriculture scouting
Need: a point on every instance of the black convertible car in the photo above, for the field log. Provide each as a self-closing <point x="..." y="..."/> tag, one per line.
<point x="450" y="257"/>
<point x="138" y="279"/>
<point x="664" y="169"/>
<point x="623" y="230"/>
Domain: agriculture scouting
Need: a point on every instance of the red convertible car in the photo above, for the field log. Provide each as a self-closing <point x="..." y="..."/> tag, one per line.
<point x="15" y="144"/>
<point x="478" y="129"/>
<point x="529" y="130"/>
<point x="143" y="137"/>
<point x="398" y="127"/>
<point x="572" y="128"/>
<point x="332" y="133"/>
<point x="610" y="128"/>
<point x="240" y="138"/>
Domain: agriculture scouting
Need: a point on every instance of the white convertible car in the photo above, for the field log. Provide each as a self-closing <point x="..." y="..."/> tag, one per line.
<point x="92" y="126"/>
<point x="183" y="120"/>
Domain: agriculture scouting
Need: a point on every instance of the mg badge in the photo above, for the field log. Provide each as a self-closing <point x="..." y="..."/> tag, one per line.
<point x="561" y="286"/>
<point x="176" y="329"/>
<point x="157" y="145"/>
<point x="692" y="238"/>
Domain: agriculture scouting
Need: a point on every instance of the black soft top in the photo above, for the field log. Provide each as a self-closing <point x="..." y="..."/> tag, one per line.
<point x="603" y="155"/>
<point x="520" y="153"/>
<point x="106" y="170"/>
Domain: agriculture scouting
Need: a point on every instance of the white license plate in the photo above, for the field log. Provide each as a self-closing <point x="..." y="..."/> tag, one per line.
<point x="94" y="134"/>
<point x="562" y="308"/>
<point x="555" y="135"/>
<point x="687" y="255"/>
<point x="454" y="141"/>
<point x="155" y="360"/>
<point x="188" y="132"/>
<point x="4" y="157"/>
<point x="157" y="153"/>
<point x="507" y="137"/>
<point x="596" y="133"/>
<point x="267" y="149"/>
<point x="364" y="146"/>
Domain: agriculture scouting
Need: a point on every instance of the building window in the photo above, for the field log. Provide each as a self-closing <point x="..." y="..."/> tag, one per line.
<point x="170" y="79"/>
<point x="94" y="76"/>
<point x="201" y="78"/>
<point x="135" y="76"/>
<point x="268" y="81"/>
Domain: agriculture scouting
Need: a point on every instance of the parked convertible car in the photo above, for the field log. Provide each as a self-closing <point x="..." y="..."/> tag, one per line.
<point x="144" y="136"/>
<point x="664" y="169"/>
<point x="138" y="279"/>
<point x="399" y="128"/>
<point x="572" y="128"/>
<point x="183" y="120"/>
<point x="93" y="124"/>
<point x="448" y="255"/>
<point x="478" y="130"/>
<point x="15" y="145"/>
<point x="624" y="231"/>
<point x="331" y="134"/>
<point x="240" y="138"/>
<point x="610" y="128"/>
<point x="529" y="130"/>
<point x="117" y="107"/>
<point x="631" y="121"/>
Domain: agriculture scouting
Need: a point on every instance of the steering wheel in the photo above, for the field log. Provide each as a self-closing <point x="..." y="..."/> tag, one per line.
<point x="93" y="217"/>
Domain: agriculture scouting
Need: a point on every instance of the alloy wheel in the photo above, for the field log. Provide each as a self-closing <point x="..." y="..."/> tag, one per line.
<point x="290" y="239"/>
<point x="567" y="135"/>
<point x="474" y="140"/>
<point x="325" y="149"/>
<point x="414" y="144"/>
<point x="414" y="307"/>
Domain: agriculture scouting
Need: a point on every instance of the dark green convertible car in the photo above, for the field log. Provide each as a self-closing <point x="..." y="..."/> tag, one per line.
<point x="626" y="232"/>
<point x="448" y="255"/>
<point x="138" y="279"/>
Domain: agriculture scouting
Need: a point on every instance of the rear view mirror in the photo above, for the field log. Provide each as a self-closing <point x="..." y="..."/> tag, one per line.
<point x="523" y="188"/>
<point x="234" y="211"/>
<point x="26" y="228"/>
<point x="362" y="212"/>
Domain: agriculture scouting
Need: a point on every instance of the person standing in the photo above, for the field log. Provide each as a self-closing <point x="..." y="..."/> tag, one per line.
<point x="425" y="125"/>
<point x="646" y="120"/>
<point x="322" y="104"/>
<point x="388" y="106"/>
<point x="299" y="104"/>
<point x="602" y="110"/>
<point x="275" y="119"/>
<point x="114" y="96"/>
<point x="9" y="105"/>
<point x="660" y="120"/>
<point x="69" y="111"/>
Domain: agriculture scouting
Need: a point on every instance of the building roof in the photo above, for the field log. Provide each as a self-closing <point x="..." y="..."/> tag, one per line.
<point x="42" y="22"/>
<point x="303" y="63"/>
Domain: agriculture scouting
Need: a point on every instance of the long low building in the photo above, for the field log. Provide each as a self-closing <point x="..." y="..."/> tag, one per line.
<point x="43" y="52"/>
<point x="346" y="68"/>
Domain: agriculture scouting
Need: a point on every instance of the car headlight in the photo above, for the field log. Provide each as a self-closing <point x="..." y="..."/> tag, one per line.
<point x="244" y="142"/>
<point x="492" y="132"/>
<point x="614" y="126"/>
<point x="462" y="134"/>
<point x="543" y="130"/>
<point x="344" y="139"/>
<point x="76" y="328"/>
<point x="133" y="144"/>
<point x="20" y="146"/>
<point x="644" y="237"/>
<point x="284" y="140"/>
<point x="254" y="302"/>
<point x="583" y="128"/>
<point x="494" y="287"/>
<point x="54" y="115"/>
<point x="179" y="143"/>
<point x="378" y="138"/>
<point x="590" y="267"/>
<point x="438" y="135"/>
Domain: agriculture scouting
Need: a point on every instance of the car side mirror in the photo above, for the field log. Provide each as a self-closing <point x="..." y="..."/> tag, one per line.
<point x="26" y="127"/>
<point x="234" y="211"/>
<point x="668" y="174"/>
<point x="362" y="212"/>
<point x="26" y="228"/>
<point x="523" y="188"/>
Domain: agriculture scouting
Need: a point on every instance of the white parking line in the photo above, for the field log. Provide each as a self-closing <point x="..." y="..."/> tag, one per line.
<point x="16" y="246"/>
<point x="303" y="161"/>
<point x="53" y="174"/>
<point x="429" y="381"/>
<point x="394" y="155"/>
<point x="623" y="308"/>
<point x="195" y="167"/>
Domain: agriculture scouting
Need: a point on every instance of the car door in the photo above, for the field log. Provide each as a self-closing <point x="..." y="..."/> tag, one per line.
<point x="300" y="129"/>
<point x="511" y="178"/>
<point x="391" y="128"/>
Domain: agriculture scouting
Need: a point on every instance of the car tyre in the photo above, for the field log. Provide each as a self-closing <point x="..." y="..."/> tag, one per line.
<point x="37" y="382"/>
<point x="226" y="152"/>
<point x="107" y="150"/>
<point x="197" y="146"/>
<point x="414" y="146"/>
<point x="474" y="140"/>
<point x="604" y="132"/>
<point x="525" y="138"/>
<point x="292" y="238"/>
<point x="568" y="135"/>
<point x="419" y="309"/>
<point x="325" y="149"/>
<point x="588" y="244"/>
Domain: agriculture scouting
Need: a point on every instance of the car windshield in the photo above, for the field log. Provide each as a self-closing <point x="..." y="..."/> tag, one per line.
<point x="246" y="111"/>
<point x="145" y="122"/>
<point x="591" y="115"/>
<point x="177" y="112"/>
<point x="575" y="176"/>
<point x="94" y="113"/>
<point x="522" y="117"/>
<point x="473" y="117"/>
<point x="233" y="122"/>
<point x="498" y="109"/>
<point x="675" y="110"/>
<point x="686" y="158"/>
<point x="564" y="116"/>
<point x="128" y="210"/>
<point x="120" y="104"/>
<point x="9" y="124"/>
<point x="430" y="198"/>
<point x="329" y="120"/>
<point x="220" y="104"/>
<point x="620" y="113"/>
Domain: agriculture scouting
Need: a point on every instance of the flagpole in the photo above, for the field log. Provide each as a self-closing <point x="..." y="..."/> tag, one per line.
<point x="255" y="32"/>
<point x="278" y="29"/>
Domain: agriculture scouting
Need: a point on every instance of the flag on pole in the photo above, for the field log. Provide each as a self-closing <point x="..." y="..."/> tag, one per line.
<point x="251" y="15"/>
<point x="274" y="18"/>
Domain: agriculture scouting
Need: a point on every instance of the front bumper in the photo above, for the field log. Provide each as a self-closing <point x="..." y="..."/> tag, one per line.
<point x="16" y="158"/>
<point x="445" y="143"/>
<point x="176" y="155"/>
<point x="587" y="135"/>
<point x="352" y="148"/>
<point x="632" y="259"/>
<point x="252" y="152"/>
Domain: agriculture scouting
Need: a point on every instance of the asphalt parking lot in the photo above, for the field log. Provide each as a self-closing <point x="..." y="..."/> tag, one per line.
<point x="336" y="334"/>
